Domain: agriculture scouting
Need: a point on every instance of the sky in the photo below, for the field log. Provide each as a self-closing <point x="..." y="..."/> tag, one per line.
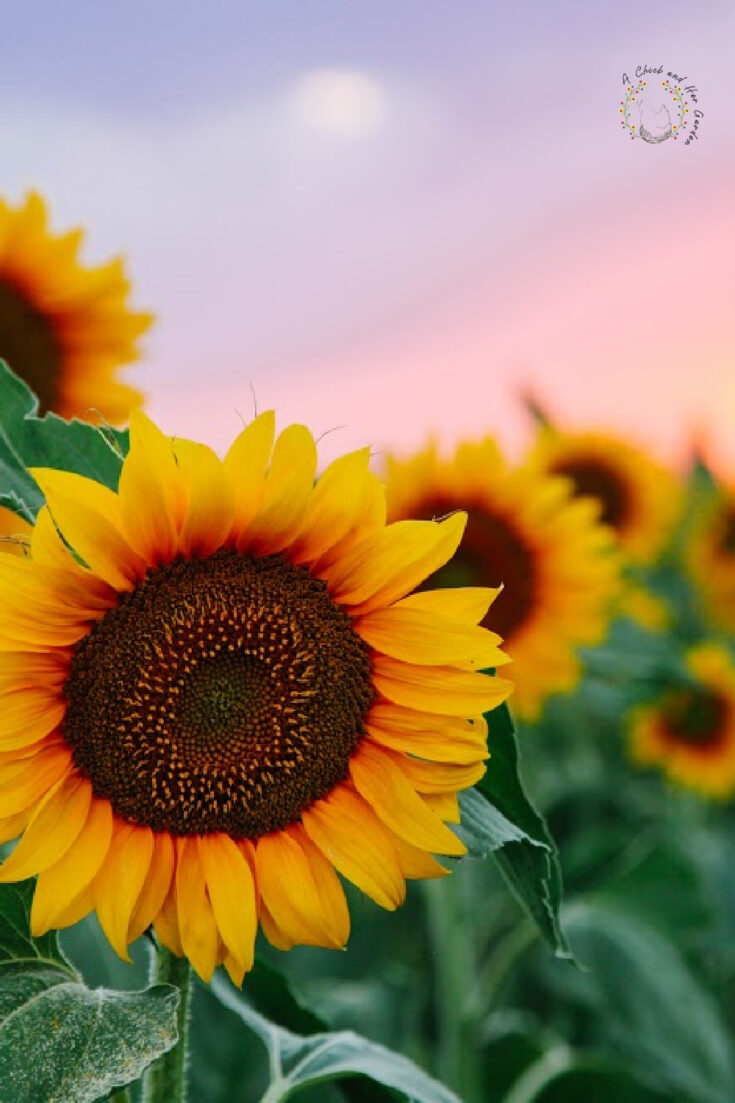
<point x="395" y="219"/>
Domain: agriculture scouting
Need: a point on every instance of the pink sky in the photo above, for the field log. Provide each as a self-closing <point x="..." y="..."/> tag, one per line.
<point x="488" y="227"/>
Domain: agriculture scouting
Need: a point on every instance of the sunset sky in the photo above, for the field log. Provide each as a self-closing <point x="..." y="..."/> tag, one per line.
<point x="394" y="218"/>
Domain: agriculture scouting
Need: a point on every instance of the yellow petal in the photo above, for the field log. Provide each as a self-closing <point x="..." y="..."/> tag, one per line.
<point x="12" y="826"/>
<point x="398" y="558"/>
<point x="150" y="492"/>
<point x="336" y="506"/>
<point x="432" y="745"/>
<point x="166" y="923"/>
<point x="438" y="777"/>
<point x="246" y="464"/>
<point x="52" y="829"/>
<point x="272" y="931"/>
<point x="197" y="927"/>
<point x="21" y="670"/>
<point x="88" y="515"/>
<point x="425" y="638"/>
<point x="210" y="507"/>
<point x="442" y="689"/>
<point x="59" y="885"/>
<point x="47" y="547"/>
<point x="39" y="775"/>
<point x="156" y="886"/>
<point x="417" y="864"/>
<point x="444" y="805"/>
<point x="381" y="782"/>
<point x="289" y="890"/>
<point x="118" y="884"/>
<point x="28" y="715"/>
<point x="328" y="885"/>
<point x="80" y="906"/>
<point x="351" y="837"/>
<point x="287" y="494"/>
<point x="468" y="604"/>
<point x="232" y="894"/>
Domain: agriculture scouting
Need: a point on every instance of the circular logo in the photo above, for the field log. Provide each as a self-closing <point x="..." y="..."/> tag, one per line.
<point x="660" y="109"/>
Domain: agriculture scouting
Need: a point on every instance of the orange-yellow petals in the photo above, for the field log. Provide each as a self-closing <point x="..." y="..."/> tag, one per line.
<point x="444" y="689"/>
<point x="89" y="518"/>
<point x="231" y="893"/>
<point x="59" y="885"/>
<point x="416" y="864"/>
<point x="156" y="886"/>
<point x="398" y="558"/>
<point x="350" y="835"/>
<point x="465" y="603"/>
<point x="197" y="926"/>
<point x="15" y="533"/>
<point x="382" y="783"/>
<point x="119" y="882"/>
<point x="166" y="924"/>
<point x="51" y="831"/>
<point x="150" y="492"/>
<point x="287" y="493"/>
<point x="34" y="780"/>
<point x="336" y="505"/>
<point x="294" y="897"/>
<point x="425" y="638"/>
<point x="246" y="464"/>
<point x="27" y="716"/>
<point x="210" y="499"/>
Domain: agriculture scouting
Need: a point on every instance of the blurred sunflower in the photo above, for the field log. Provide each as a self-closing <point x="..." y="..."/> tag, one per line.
<point x="14" y="532"/>
<point x="524" y="532"/>
<point x="638" y="497"/>
<point x="230" y="693"/>
<point x="709" y="555"/>
<point x="690" y="732"/>
<point x="64" y="328"/>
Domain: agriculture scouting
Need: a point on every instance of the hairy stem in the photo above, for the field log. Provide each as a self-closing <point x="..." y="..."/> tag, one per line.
<point x="165" y="1080"/>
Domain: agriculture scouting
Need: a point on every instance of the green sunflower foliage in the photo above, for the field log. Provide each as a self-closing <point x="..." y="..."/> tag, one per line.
<point x="59" y="1039"/>
<point x="27" y="440"/>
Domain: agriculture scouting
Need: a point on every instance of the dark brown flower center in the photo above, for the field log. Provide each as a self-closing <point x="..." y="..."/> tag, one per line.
<point x="491" y="552"/>
<point x="696" y="717"/>
<point x="222" y="694"/>
<point x="30" y="345"/>
<point x="594" y="479"/>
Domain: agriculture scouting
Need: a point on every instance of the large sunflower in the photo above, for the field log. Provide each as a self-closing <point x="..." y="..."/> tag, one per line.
<point x="64" y="328"/>
<point x="228" y="692"/>
<point x="690" y="732"/>
<point x="710" y="555"/>
<point x="526" y="533"/>
<point x="638" y="497"/>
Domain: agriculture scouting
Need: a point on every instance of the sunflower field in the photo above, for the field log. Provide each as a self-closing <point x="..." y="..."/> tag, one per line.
<point x="405" y="776"/>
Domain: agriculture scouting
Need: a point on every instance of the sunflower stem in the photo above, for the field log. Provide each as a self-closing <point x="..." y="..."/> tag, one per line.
<point x="165" y="1080"/>
<point x="454" y="970"/>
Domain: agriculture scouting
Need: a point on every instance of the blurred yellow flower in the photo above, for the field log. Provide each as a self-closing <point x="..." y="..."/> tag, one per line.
<point x="557" y="564"/>
<point x="639" y="498"/>
<point x="690" y="732"/>
<point x="64" y="328"/>
<point x="709" y="555"/>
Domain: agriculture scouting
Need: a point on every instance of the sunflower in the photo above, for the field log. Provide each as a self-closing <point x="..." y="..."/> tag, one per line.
<point x="639" y="498"/>
<point x="690" y="732"/>
<point x="709" y="555"/>
<point x="14" y="532"/>
<point x="525" y="532"/>
<point x="64" y="328"/>
<point x="229" y="692"/>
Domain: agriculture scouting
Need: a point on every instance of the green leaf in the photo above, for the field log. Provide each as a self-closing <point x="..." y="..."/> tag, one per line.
<point x="499" y="819"/>
<point x="651" y="1007"/>
<point x="300" y="1062"/>
<point x="62" y="1041"/>
<point x="27" y="440"/>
